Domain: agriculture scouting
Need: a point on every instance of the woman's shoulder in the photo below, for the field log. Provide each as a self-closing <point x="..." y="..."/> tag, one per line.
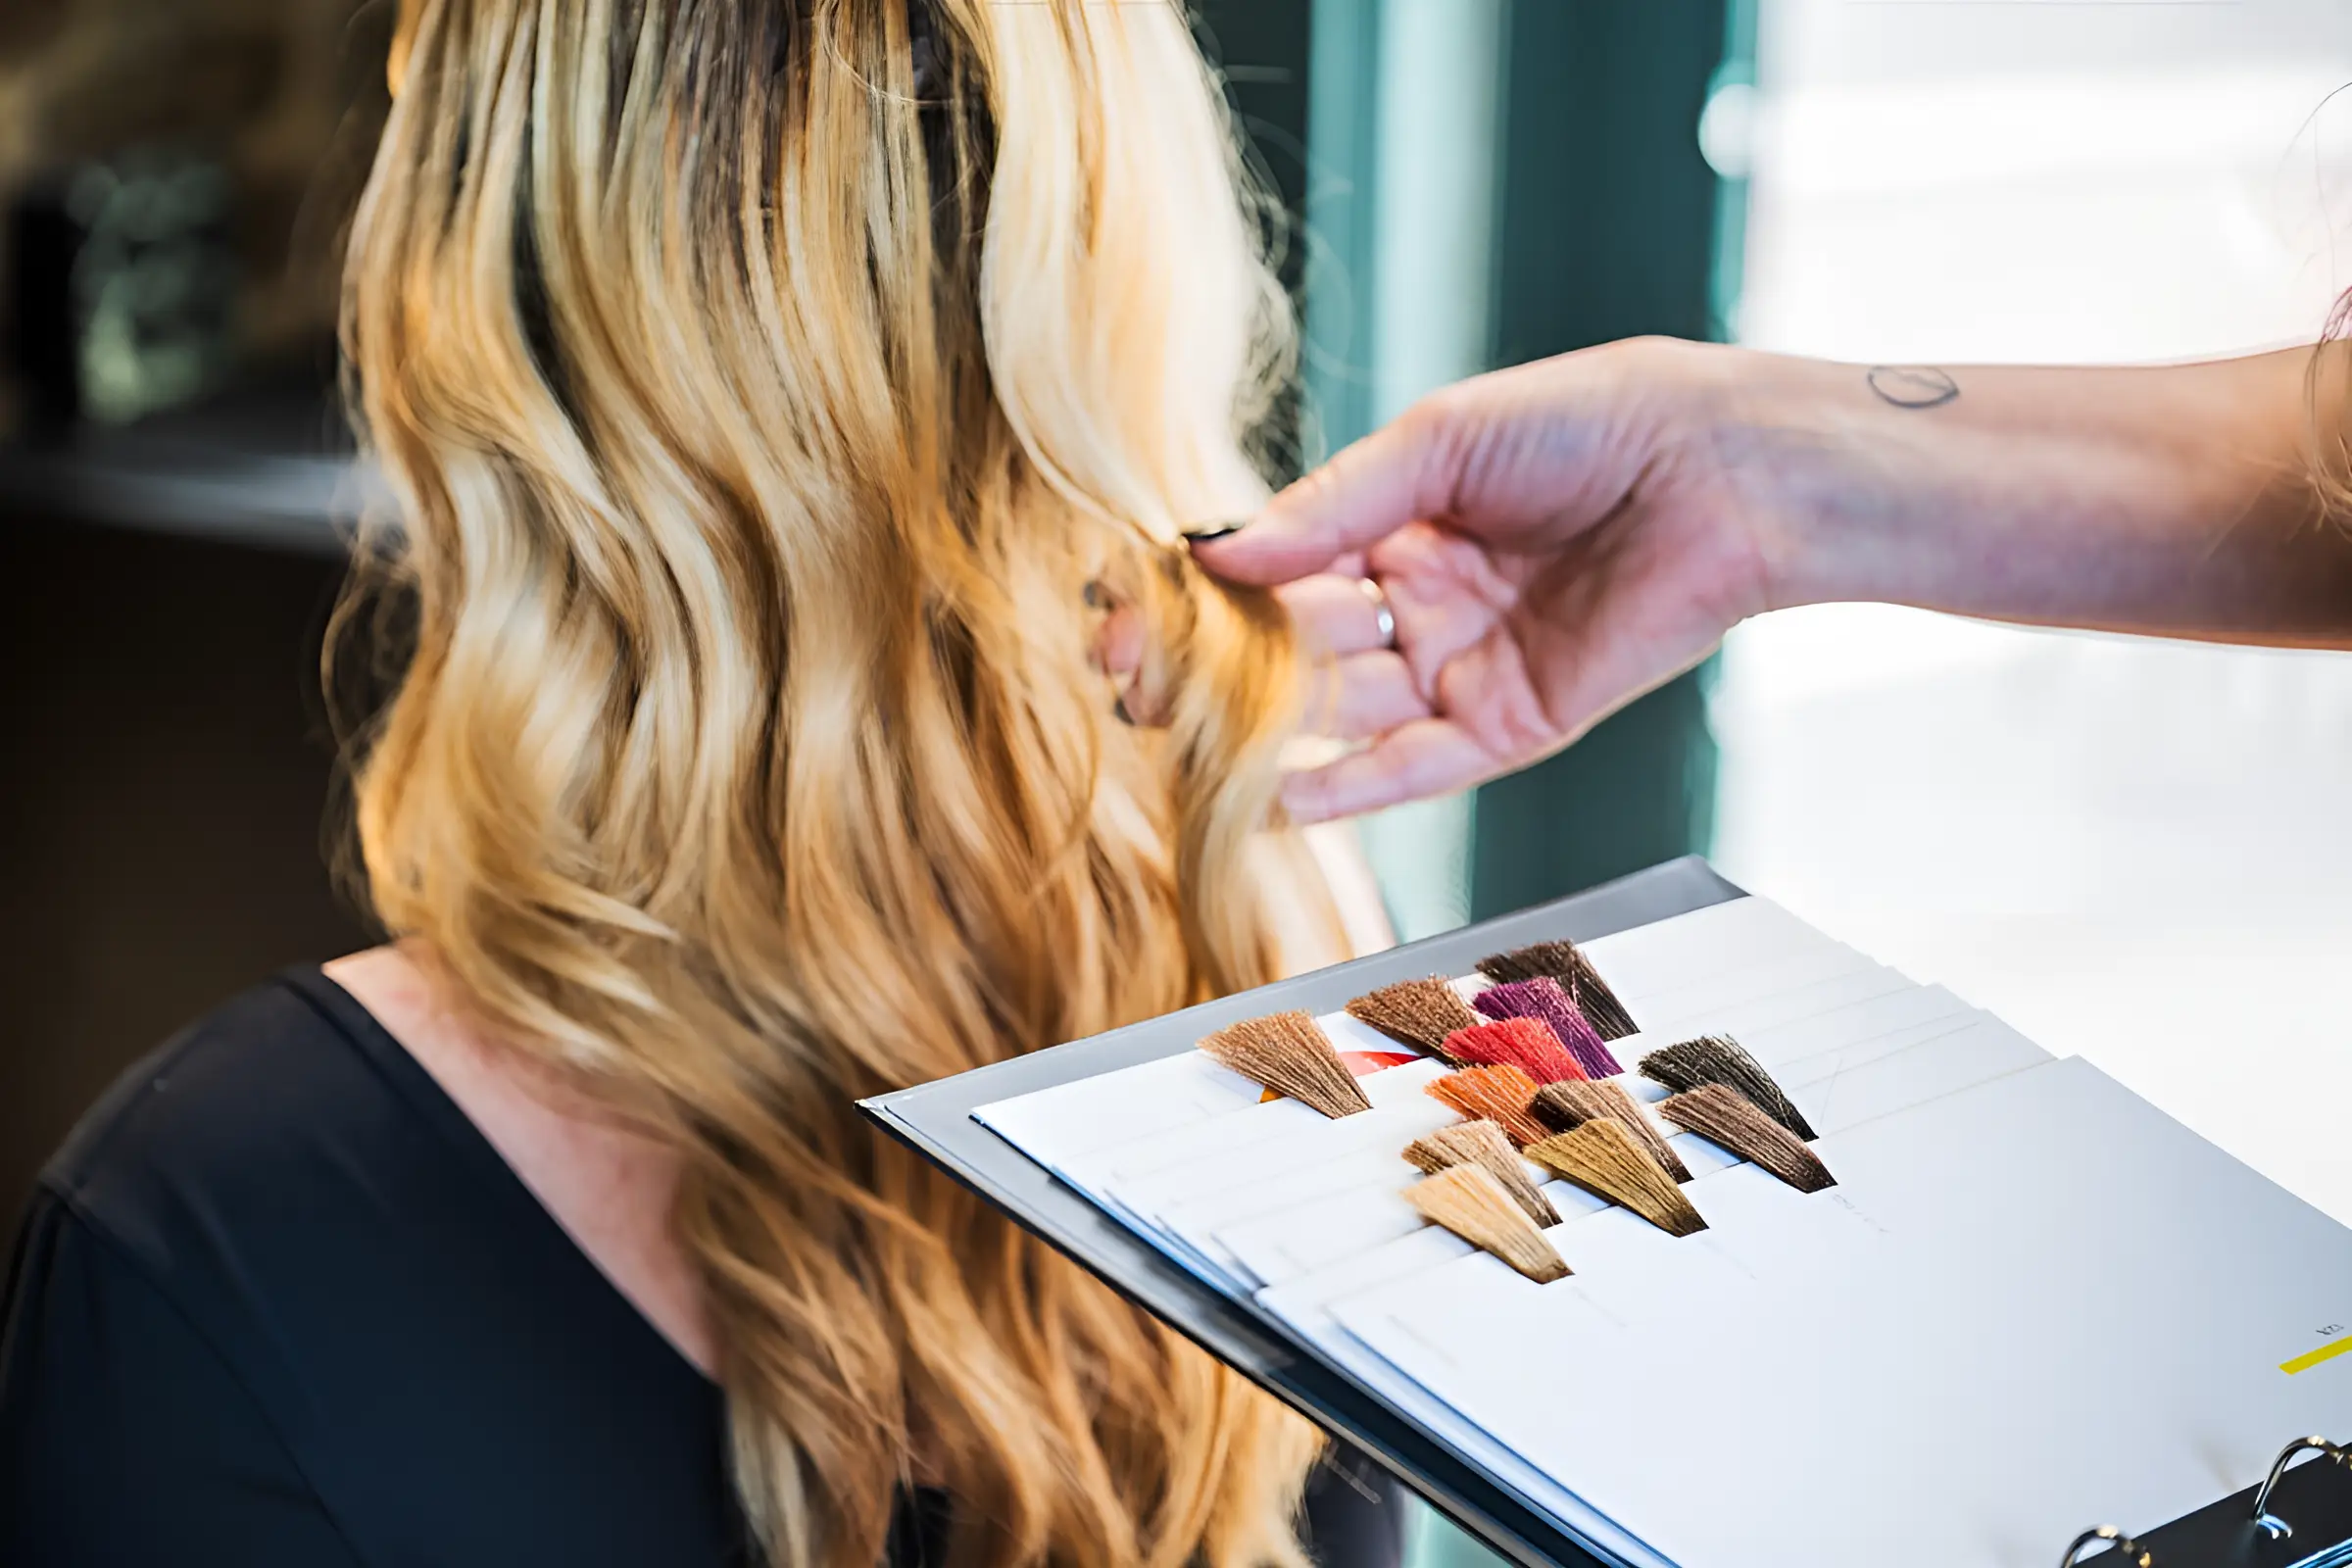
<point x="250" y="1096"/>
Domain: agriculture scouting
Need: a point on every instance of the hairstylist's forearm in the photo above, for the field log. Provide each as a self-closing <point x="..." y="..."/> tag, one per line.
<point x="2174" y="499"/>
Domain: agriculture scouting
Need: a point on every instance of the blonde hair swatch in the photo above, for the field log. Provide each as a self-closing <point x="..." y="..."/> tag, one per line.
<point x="1485" y="1144"/>
<point x="1565" y="962"/>
<point x="1290" y="1054"/>
<point x="1723" y="1115"/>
<point x="1569" y="1106"/>
<point x="1604" y="1159"/>
<point x="753" y="413"/>
<point x="1469" y="1202"/>
<point x="1721" y="1059"/>
<point x="1499" y="1095"/>
<point x="1419" y="1012"/>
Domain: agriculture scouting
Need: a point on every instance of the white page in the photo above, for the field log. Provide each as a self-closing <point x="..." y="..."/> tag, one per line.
<point x="2028" y="1308"/>
<point x="1828" y="1063"/>
<point x="1947" y="1065"/>
<point x="1184" y="1150"/>
<point x="1303" y="1304"/>
<point x="1669" y="953"/>
<point x="1263" y="1162"/>
<point x="1714" y="991"/>
<point x="1868" y="1018"/>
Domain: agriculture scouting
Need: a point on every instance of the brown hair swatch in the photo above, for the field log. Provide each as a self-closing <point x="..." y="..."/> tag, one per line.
<point x="1469" y="1202"/>
<point x="1486" y="1146"/>
<point x="1607" y="1160"/>
<point x="1720" y="1060"/>
<point x="1499" y="1095"/>
<point x="1568" y="1106"/>
<point x="1419" y="1012"/>
<point x="1287" y="1052"/>
<point x="1722" y="1114"/>
<point x="1565" y="962"/>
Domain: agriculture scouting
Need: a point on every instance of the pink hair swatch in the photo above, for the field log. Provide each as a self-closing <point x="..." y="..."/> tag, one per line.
<point x="1544" y="999"/>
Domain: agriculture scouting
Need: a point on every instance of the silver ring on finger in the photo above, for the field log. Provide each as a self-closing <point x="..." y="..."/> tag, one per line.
<point x="1383" y="617"/>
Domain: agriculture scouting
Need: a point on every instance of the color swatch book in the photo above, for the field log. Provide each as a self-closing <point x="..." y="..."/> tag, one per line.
<point x="1656" y="1228"/>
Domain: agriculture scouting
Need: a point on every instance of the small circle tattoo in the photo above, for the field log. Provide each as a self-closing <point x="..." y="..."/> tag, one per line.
<point x="1913" y="386"/>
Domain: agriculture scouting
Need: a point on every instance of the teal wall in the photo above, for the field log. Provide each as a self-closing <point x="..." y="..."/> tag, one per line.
<point x="1608" y="226"/>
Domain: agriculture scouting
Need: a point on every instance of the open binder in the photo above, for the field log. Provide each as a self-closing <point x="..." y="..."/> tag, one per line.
<point x="2305" y="1517"/>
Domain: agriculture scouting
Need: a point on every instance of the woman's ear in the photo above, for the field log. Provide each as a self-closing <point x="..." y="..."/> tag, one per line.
<point x="404" y="34"/>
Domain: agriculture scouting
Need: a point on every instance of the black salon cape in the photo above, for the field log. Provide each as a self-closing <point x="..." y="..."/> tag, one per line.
<point x="277" y="1303"/>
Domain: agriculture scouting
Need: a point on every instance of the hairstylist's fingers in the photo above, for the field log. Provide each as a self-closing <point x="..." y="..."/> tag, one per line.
<point x="1414" y="762"/>
<point x="1369" y="694"/>
<point x="1333" y="615"/>
<point x="1399" y="472"/>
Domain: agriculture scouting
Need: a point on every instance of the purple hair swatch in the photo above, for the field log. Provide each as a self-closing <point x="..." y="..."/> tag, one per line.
<point x="1546" y="1002"/>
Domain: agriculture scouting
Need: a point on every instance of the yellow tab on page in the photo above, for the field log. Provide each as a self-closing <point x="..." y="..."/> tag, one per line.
<point x="2311" y="1358"/>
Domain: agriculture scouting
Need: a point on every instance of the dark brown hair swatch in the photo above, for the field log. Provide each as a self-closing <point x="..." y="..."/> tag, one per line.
<point x="1419" y="1012"/>
<point x="1484" y="1144"/>
<point x="1568" y="1106"/>
<point x="1469" y="1202"/>
<point x="1288" y="1053"/>
<point x="1722" y="1114"/>
<point x="1565" y="962"/>
<point x="1720" y="1060"/>
<point x="1499" y="1095"/>
<point x="1607" y="1160"/>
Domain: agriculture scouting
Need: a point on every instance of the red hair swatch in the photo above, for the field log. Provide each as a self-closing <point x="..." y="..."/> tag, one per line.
<point x="1526" y="1043"/>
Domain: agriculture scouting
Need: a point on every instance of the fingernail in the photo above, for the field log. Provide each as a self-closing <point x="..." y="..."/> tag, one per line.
<point x="1210" y="532"/>
<point x="1118" y="711"/>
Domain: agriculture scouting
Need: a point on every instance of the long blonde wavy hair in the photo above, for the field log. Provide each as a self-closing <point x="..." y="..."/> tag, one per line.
<point x="759" y="384"/>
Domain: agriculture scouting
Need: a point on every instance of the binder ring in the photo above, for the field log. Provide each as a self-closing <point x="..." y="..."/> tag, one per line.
<point x="2126" y="1550"/>
<point x="2276" y="1528"/>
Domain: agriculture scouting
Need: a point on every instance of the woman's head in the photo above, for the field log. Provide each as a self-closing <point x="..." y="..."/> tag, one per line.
<point x="761" y="383"/>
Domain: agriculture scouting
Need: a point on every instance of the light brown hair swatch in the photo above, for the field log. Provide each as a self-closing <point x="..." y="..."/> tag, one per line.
<point x="1565" y="962"/>
<point x="1288" y="1053"/>
<point x="1499" y="1095"/>
<point x="1722" y="1114"/>
<point x="1486" y="1146"/>
<point x="1419" y="1012"/>
<point x="1469" y="1202"/>
<point x="1720" y="1060"/>
<point x="1569" y="1106"/>
<point x="1607" y="1160"/>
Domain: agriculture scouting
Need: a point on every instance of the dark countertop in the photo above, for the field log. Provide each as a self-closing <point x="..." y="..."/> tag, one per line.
<point x="272" y="468"/>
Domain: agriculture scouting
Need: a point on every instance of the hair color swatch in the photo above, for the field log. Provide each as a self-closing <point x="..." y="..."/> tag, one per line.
<point x="1569" y="1106"/>
<point x="1484" y="1144"/>
<point x="1607" y="1160"/>
<point x="1543" y="998"/>
<point x="1723" y="1115"/>
<point x="1468" y="1201"/>
<point x="1565" y="962"/>
<point x="1419" y="1012"/>
<point x="1720" y="1060"/>
<point x="1527" y="1042"/>
<point x="1288" y="1052"/>
<point x="1499" y="1095"/>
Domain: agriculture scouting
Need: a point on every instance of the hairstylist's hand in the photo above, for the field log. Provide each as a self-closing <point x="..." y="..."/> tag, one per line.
<point x="1553" y="541"/>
